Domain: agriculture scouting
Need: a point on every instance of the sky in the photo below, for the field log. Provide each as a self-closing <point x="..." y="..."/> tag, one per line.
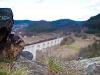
<point x="79" y="10"/>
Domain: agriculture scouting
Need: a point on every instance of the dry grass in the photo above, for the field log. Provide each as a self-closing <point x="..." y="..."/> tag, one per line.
<point x="73" y="47"/>
<point x="38" y="37"/>
<point x="69" y="52"/>
<point x="82" y="42"/>
<point x="55" y="66"/>
<point x="5" y="69"/>
<point x="31" y="39"/>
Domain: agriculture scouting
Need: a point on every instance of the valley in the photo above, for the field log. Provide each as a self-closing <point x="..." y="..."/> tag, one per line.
<point x="79" y="42"/>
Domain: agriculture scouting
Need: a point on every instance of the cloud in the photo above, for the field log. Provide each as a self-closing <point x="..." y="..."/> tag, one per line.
<point x="91" y="8"/>
<point x="52" y="9"/>
<point x="92" y="4"/>
<point x="5" y="4"/>
<point x="38" y="1"/>
<point x="1" y="0"/>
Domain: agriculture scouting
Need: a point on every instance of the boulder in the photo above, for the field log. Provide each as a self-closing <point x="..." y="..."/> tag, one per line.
<point x="25" y="55"/>
<point x="6" y="24"/>
<point x="11" y="50"/>
<point x="10" y="45"/>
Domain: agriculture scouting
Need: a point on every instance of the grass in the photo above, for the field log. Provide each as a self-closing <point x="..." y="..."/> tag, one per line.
<point x="55" y="65"/>
<point x="72" y="47"/>
<point x="19" y="72"/>
<point x="78" y="44"/>
<point x="72" y="74"/>
<point x="5" y="69"/>
<point x="10" y="73"/>
<point x="79" y="39"/>
<point x="31" y="39"/>
<point x="4" y="73"/>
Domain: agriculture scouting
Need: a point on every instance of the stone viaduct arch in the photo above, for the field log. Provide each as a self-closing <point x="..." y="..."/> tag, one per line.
<point x="39" y="46"/>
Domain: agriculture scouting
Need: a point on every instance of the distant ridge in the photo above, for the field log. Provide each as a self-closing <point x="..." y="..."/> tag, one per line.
<point x="97" y="17"/>
<point x="19" y="22"/>
<point x="93" y="24"/>
<point x="47" y="26"/>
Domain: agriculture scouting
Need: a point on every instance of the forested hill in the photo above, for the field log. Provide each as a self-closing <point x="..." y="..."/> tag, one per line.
<point x="40" y="26"/>
<point x="46" y="26"/>
<point x="97" y="17"/>
<point x="64" y="22"/>
<point x="21" y="22"/>
<point x="93" y="24"/>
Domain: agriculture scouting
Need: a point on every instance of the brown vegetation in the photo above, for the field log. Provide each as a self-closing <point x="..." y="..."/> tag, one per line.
<point x="91" y="50"/>
<point x="67" y="41"/>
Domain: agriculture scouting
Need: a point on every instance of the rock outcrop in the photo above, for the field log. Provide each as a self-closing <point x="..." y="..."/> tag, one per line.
<point x="30" y="67"/>
<point x="85" y="67"/>
<point x="10" y="45"/>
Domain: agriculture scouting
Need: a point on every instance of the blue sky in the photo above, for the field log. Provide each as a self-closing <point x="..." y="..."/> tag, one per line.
<point x="52" y="9"/>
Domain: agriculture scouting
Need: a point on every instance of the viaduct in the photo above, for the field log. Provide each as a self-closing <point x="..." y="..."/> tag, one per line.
<point x="32" y="48"/>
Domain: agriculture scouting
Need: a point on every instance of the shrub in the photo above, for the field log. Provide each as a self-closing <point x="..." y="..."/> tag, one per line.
<point x="67" y="40"/>
<point x="91" y="51"/>
<point x="84" y="36"/>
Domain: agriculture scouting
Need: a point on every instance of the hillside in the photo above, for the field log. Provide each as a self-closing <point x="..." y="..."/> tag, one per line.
<point x="47" y="26"/>
<point x="40" y="26"/>
<point x="93" y="24"/>
<point x="21" y="22"/>
<point x="63" y="22"/>
<point x="95" y="17"/>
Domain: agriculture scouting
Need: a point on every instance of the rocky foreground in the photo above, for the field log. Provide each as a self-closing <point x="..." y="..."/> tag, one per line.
<point x="89" y="66"/>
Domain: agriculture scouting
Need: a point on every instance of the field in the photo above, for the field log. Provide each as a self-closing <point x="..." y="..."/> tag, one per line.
<point x="64" y="52"/>
<point x="67" y="52"/>
<point x="37" y="38"/>
<point x="31" y="39"/>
